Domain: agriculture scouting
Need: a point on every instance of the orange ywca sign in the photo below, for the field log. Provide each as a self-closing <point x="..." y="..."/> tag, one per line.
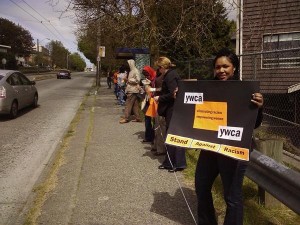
<point x="101" y="52"/>
<point x="210" y="115"/>
<point x="215" y="116"/>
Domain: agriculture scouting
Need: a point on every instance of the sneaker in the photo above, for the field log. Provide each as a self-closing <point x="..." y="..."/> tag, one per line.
<point x="123" y="121"/>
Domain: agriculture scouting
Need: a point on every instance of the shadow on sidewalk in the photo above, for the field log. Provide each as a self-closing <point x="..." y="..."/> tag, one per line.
<point x="174" y="207"/>
<point x="140" y="134"/>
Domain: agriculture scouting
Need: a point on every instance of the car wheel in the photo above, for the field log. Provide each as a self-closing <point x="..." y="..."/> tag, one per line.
<point x="57" y="77"/>
<point x="13" y="110"/>
<point x="35" y="101"/>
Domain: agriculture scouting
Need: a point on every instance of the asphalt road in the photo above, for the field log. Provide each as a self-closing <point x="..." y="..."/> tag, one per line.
<point x="27" y="142"/>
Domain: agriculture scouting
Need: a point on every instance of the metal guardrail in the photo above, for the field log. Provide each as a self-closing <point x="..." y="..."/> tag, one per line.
<point x="281" y="182"/>
<point x="291" y="159"/>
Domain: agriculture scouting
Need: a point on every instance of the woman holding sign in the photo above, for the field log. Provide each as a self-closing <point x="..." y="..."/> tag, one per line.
<point x="211" y="164"/>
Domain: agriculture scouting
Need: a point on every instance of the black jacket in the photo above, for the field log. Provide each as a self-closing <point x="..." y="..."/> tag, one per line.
<point x="166" y="99"/>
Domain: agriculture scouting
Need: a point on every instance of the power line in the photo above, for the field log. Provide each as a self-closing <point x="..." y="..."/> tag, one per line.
<point x="43" y="18"/>
<point x="46" y="20"/>
<point x="36" y="19"/>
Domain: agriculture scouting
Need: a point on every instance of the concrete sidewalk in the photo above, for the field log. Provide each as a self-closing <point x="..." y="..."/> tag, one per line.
<point x="110" y="177"/>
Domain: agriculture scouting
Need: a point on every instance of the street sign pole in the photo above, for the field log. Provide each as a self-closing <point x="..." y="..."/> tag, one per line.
<point x="101" y="53"/>
<point x="98" y="72"/>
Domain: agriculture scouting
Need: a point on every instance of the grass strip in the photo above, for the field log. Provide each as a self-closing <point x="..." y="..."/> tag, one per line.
<point x="42" y="191"/>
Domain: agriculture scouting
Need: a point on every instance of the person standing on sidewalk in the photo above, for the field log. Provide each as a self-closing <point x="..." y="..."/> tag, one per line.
<point x="132" y="89"/>
<point x="158" y="146"/>
<point x="149" y="85"/>
<point x="122" y="77"/>
<point x="115" y="81"/>
<point x="175" y="159"/>
<point x="211" y="164"/>
<point x="109" y="79"/>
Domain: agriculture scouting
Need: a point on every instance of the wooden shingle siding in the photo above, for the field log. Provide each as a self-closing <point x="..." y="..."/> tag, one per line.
<point x="262" y="17"/>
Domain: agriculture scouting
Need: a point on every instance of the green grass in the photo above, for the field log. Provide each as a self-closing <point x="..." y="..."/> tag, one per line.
<point x="254" y="213"/>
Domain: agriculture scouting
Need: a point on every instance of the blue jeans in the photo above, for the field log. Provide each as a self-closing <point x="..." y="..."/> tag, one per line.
<point x="232" y="172"/>
<point x="116" y="87"/>
<point x="121" y="95"/>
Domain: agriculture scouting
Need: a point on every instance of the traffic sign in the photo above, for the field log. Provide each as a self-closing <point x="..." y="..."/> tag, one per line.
<point x="101" y="52"/>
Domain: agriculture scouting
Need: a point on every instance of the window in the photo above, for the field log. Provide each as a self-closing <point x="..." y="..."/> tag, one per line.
<point x="24" y="80"/>
<point x="283" y="59"/>
<point x="15" y="79"/>
<point x="10" y="81"/>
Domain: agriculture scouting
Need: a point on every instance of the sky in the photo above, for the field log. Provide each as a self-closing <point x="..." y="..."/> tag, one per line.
<point x="231" y="6"/>
<point x="44" y="21"/>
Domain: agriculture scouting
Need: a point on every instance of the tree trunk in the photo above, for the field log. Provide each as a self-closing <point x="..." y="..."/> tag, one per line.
<point x="153" y="45"/>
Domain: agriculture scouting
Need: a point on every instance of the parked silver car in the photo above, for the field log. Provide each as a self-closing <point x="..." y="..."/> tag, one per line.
<point x="16" y="92"/>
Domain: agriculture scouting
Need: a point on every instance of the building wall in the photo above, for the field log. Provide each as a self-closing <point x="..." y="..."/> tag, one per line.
<point x="268" y="17"/>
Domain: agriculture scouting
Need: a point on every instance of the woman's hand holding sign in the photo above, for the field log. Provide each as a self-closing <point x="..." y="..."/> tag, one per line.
<point x="258" y="99"/>
<point x="175" y="92"/>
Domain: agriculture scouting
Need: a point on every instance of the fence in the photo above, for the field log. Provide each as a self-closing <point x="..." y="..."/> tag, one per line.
<point x="277" y="72"/>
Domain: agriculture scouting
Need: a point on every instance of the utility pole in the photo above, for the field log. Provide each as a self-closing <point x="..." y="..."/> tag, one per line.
<point x="37" y="55"/>
<point x="98" y="55"/>
<point x="67" y="61"/>
<point x="239" y="43"/>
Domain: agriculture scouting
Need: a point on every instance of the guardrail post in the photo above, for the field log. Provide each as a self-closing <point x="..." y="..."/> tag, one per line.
<point x="272" y="148"/>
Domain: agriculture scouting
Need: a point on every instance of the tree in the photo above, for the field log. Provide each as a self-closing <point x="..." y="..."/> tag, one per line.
<point x="182" y="30"/>
<point x="62" y="58"/>
<point x="76" y="62"/>
<point x="18" y="38"/>
<point x="40" y="60"/>
<point x="89" y="39"/>
<point x="110" y="23"/>
<point x="58" y="54"/>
